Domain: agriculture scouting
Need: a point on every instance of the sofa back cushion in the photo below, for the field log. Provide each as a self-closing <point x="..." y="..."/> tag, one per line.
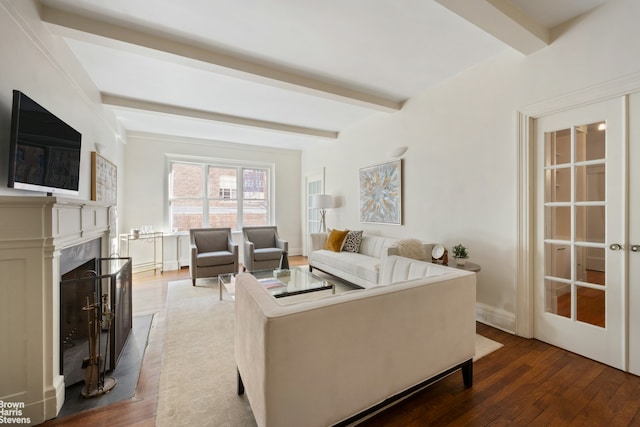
<point x="375" y="246"/>
<point x="400" y="269"/>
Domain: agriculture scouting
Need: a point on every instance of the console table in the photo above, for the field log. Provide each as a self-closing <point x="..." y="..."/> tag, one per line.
<point x="154" y="239"/>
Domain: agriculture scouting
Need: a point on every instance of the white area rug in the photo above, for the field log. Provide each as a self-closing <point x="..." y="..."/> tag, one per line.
<point x="198" y="376"/>
<point x="485" y="346"/>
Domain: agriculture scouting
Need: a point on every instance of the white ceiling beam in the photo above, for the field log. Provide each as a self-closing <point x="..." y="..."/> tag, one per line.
<point x="88" y="29"/>
<point x="136" y="104"/>
<point x="504" y="21"/>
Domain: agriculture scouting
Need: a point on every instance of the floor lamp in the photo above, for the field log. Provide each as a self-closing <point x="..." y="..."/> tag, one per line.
<point x="322" y="202"/>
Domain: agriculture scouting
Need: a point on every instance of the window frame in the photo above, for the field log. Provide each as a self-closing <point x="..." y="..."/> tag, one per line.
<point x="205" y="164"/>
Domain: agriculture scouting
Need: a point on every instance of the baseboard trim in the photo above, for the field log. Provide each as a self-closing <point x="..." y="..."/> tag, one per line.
<point x="496" y="318"/>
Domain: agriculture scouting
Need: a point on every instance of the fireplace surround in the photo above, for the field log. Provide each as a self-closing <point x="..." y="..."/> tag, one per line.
<point x="33" y="233"/>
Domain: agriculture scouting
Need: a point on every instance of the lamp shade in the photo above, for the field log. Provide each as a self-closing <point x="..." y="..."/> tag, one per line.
<point x="321" y="201"/>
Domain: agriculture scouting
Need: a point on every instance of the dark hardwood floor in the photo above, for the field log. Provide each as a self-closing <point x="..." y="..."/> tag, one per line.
<point x="525" y="383"/>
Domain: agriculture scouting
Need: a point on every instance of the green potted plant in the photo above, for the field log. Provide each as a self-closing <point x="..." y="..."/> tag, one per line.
<point x="460" y="254"/>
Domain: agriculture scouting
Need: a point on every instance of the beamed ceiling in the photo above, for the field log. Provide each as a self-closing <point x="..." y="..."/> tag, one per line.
<point x="286" y="73"/>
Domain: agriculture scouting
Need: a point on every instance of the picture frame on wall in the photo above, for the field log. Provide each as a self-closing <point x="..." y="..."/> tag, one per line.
<point x="381" y="193"/>
<point x="104" y="180"/>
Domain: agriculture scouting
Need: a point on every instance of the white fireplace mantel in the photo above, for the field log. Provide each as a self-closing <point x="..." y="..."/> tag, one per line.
<point x="33" y="232"/>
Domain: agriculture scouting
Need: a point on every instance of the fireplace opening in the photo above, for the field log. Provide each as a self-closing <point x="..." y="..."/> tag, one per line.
<point x="77" y="287"/>
<point x="85" y="279"/>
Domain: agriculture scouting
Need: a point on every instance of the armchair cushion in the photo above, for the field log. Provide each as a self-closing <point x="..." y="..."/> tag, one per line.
<point x="267" y="254"/>
<point x="209" y="259"/>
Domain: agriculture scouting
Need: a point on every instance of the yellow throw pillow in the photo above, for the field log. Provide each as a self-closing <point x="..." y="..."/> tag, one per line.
<point x="335" y="240"/>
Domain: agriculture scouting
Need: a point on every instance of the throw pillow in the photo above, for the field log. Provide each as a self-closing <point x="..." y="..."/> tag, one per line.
<point x="411" y="248"/>
<point x="352" y="241"/>
<point x="335" y="240"/>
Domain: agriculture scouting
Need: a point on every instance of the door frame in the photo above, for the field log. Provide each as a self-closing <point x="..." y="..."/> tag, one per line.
<point x="525" y="236"/>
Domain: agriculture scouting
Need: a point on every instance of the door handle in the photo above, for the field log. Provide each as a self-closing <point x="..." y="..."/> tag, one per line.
<point x="615" y="247"/>
<point x="635" y="248"/>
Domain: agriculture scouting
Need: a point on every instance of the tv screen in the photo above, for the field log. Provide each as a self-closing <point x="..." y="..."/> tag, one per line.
<point x="44" y="152"/>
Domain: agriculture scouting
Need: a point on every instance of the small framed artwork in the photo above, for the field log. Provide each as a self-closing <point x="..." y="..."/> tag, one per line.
<point x="381" y="193"/>
<point x="104" y="180"/>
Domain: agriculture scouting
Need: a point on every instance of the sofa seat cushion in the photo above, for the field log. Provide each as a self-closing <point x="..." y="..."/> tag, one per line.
<point x="267" y="254"/>
<point x="362" y="266"/>
<point x="211" y="259"/>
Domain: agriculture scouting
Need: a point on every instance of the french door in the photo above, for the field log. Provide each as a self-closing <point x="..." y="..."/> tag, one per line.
<point x="634" y="233"/>
<point x="314" y="184"/>
<point x="581" y="273"/>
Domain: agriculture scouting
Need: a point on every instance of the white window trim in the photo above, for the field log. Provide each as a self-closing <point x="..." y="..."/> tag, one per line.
<point x="217" y="162"/>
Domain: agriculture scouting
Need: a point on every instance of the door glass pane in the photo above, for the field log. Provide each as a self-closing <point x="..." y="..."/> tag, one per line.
<point x="558" y="188"/>
<point x="590" y="306"/>
<point x="313" y="215"/>
<point x="558" y="260"/>
<point x="590" y="223"/>
<point x="557" y="222"/>
<point x="590" y="142"/>
<point x="557" y="147"/>
<point x="557" y="298"/>
<point x="595" y="266"/>
<point x="590" y="183"/>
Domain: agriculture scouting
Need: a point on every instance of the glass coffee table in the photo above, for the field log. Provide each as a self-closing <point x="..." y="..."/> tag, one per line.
<point x="281" y="283"/>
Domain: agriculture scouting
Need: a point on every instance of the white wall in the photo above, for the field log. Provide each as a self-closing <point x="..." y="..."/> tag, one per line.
<point x="460" y="171"/>
<point x="145" y="190"/>
<point x="40" y="65"/>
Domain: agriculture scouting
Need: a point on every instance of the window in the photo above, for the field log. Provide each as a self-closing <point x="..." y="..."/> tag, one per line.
<point x="206" y="195"/>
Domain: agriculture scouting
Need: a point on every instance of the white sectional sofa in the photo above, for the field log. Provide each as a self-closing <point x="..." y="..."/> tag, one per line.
<point x="332" y="360"/>
<point x="360" y="268"/>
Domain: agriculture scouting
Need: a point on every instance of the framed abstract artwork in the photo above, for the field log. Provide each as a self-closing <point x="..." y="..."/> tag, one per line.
<point x="381" y="193"/>
<point x="104" y="180"/>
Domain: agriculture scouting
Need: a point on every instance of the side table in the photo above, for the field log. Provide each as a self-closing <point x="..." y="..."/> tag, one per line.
<point x="468" y="266"/>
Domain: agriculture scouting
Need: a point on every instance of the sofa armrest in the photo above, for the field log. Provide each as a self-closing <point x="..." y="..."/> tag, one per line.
<point x="248" y="255"/>
<point x="282" y="244"/>
<point x="317" y="241"/>
<point x="194" y="254"/>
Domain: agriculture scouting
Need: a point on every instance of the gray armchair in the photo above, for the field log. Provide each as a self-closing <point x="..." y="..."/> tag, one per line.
<point x="263" y="249"/>
<point x="212" y="253"/>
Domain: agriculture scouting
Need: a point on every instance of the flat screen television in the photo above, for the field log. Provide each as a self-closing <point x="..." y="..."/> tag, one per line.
<point x="44" y="151"/>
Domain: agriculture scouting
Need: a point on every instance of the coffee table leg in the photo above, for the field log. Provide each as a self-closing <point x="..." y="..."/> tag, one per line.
<point x="220" y="287"/>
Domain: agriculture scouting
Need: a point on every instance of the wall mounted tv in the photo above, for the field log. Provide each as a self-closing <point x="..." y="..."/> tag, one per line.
<point x="44" y="151"/>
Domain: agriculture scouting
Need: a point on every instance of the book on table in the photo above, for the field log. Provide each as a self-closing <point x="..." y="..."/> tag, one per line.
<point x="270" y="283"/>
